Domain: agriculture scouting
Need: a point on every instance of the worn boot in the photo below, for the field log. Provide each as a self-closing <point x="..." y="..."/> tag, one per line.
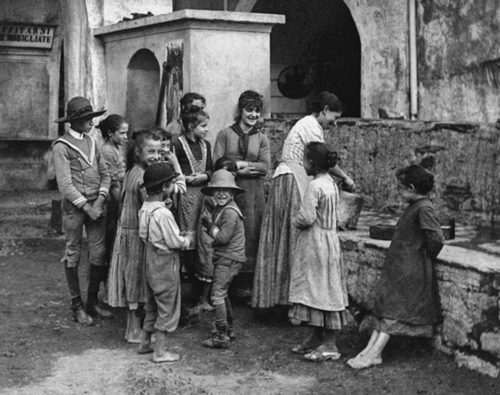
<point x="219" y="338"/>
<point x="145" y="346"/>
<point x="99" y="311"/>
<point x="96" y="275"/>
<point x="160" y="353"/>
<point x="229" y="313"/>
<point x="81" y="316"/>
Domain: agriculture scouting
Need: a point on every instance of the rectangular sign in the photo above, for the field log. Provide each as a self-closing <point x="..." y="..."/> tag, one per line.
<point x="26" y="35"/>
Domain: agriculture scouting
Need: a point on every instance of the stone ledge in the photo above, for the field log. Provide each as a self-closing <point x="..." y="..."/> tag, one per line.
<point x="183" y="15"/>
<point x="469" y="288"/>
<point x="451" y="255"/>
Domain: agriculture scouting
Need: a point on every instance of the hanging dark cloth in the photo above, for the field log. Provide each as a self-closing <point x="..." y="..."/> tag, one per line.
<point x="244" y="138"/>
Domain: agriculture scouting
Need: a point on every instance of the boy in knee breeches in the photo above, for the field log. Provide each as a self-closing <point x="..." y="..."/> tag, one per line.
<point x="161" y="235"/>
<point x="83" y="179"/>
<point x="226" y="227"/>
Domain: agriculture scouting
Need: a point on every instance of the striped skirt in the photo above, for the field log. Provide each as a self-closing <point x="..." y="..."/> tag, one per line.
<point x="127" y="279"/>
<point x="301" y="314"/>
<point x="278" y="238"/>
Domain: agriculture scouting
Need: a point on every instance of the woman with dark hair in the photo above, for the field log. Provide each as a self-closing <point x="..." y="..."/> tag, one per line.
<point x="176" y="127"/>
<point x="244" y="143"/>
<point x="278" y="236"/>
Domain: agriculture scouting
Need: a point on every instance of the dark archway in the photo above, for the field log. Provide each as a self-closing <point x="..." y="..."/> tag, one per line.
<point x="143" y="87"/>
<point x="320" y="35"/>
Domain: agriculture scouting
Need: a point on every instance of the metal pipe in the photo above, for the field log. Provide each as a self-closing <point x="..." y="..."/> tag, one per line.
<point x="412" y="27"/>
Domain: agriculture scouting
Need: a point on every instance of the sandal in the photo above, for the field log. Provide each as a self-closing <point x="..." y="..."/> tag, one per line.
<point x="321" y="356"/>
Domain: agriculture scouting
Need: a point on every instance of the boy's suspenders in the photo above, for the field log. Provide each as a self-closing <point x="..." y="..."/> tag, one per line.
<point x="149" y="221"/>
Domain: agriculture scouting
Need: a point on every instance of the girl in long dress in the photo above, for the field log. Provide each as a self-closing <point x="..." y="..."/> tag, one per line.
<point x="277" y="236"/>
<point x="195" y="160"/>
<point x="318" y="291"/>
<point x="126" y="285"/>
<point x="407" y="298"/>
<point x="245" y="143"/>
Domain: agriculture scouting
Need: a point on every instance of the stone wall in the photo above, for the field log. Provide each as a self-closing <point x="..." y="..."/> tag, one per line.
<point x="469" y="288"/>
<point x="24" y="164"/>
<point x="463" y="157"/>
<point x="458" y="78"/>
<point x="383" y="31"/>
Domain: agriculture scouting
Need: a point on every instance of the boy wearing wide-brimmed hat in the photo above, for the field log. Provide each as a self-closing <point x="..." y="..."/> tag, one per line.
<point x="225" y="226"/>
<point x="162" y="238"/>
<point x="83" y="179"/>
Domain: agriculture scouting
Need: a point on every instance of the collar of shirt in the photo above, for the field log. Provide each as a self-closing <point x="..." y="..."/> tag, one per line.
<point x="76" y="135"/>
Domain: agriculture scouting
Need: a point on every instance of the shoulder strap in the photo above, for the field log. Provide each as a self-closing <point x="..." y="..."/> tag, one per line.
<point x="149" y="221"/>
<point x="197" y="166"/>
<point x="231" y="206"/>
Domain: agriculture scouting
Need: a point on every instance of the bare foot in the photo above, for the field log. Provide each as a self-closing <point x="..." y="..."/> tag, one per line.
<point x="165" y="356"/>
<point x="360" y="355"/>
<point x="364" y="362"/>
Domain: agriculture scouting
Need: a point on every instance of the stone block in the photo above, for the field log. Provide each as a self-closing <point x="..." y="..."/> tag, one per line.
<point x="475" y="363"/>
<point x="453" y="332"/>
<point x="349" y="245"/>
<point x="490" y="342"/>
<point x="441" y="345"/>
<point x="469" y="302"/>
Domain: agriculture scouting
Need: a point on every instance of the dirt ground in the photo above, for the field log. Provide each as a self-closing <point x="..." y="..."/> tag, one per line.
<point x="42" y="351"/>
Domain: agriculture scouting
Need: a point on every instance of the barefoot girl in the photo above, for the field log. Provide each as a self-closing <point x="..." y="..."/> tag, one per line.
<point x="126" y="279"/>
<point x="407" y="299"/>
<point x="317" y="287"/>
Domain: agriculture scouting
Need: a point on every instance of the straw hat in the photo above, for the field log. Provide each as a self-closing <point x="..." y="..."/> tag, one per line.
<point x="158" y="173"/>
<point x="222" y="179"/>
<point x="78" y="108"/>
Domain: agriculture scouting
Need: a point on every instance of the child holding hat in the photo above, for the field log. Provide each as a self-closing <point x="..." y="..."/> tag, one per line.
<point x="83" y="179"/>
<point x="225" y="226"/>
<point x="162" y="238"/>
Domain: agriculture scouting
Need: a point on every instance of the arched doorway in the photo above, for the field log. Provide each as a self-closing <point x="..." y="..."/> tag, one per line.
<point x="143" y="87"/>
<point x="320" y="38"/>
